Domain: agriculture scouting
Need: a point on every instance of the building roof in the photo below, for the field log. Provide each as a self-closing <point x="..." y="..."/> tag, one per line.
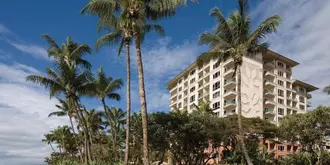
<point x="181" y="74"/>
<point x="271" y="53"/>
<point x="308" y="87"/>
<point x="286" y="60"/>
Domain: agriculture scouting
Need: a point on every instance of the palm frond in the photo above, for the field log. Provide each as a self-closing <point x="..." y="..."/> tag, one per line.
<point x="212" y="55"/>
<point x="154" y="28"/>
<point x="43" y="81"/>
<point x="80" y="51"/>
<point x="50" y="41"/>
<point x="266" y="27"/>
<point x="213" y="40"/>
<point x="244" y="8"/>
<point x="108" y="39"/>
<point x="99" y="8"/>
<point x="326" y="90"/>
<point x="114" y="96"/>
<point x="58" y="113"/>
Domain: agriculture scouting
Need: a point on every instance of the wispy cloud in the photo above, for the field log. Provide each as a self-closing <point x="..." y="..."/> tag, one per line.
<point x="4" y="29"/>
<point x="303" y="37"/>
<point x="34" y="50"/>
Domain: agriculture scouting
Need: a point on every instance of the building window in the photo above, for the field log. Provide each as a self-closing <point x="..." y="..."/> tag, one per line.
<point x="216" y="65"/>
<point x="280" y="92"/>
<point x="294" y="112"/>
<point x="302" y="107"/>
<point x="192" y="98"/>
<point x="192" y="89"/>
<point x="192" y="80"/>
<point x="281" y="65"/>
<point x="180" y="96"/>
<point x="302" y="90"/>
<point x="216" y="105"/>
<point x="179" y="105"/>
<point x="216" y="94"/>
<point x="180" y="89"/>
<point x="280" y="82"/>
<point x="301" y="99"/>
<point x="280" y="148"/>
<point x="216" y="85"/>
<point x="192" y="72"/>
<point x="180" y="81"/>
<point x="217" y="74"/>
<point x="281" y="101"/>
<point x="280" y="73"/>
<point x="280" y="111"/>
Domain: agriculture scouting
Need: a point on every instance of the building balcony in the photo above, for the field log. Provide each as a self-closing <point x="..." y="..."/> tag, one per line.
<point x="269" y="84"/>
<point x="269" y="93"/>
<point x="229" y="73"/>
<point x="228" y="94"/>
<point x="269" y="112"/>
<point x="269" y="75"/>
<point x="227" y="113"/>
<point x="229" y="63"/>
<point x="230" y="83"/>
<point x="269" y="65"/>
<point x="269" y="102"/>
<point x="309" y="104"/>
<point x="229" y="104"/>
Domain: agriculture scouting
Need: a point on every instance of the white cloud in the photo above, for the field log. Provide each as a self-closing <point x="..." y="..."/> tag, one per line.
<point x="162" y="60"/>
<point x="34" y="50"/>
<point x="4" y="29"/>
<point x="23" y="121"/>
<point x="303" y="36"/>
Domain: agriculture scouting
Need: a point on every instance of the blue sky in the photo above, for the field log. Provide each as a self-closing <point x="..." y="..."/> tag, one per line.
<point x="24" y="107"/>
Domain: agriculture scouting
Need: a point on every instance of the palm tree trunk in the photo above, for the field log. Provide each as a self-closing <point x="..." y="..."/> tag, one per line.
<point x="128" y="102"/>
<point x="51" y="146"/>
<point x="82" y="119"/>
<point x="105" y="109"/>
<point x="239" y="119"/>
<point x="75" y="138"/>
<point x="143" y="103"/>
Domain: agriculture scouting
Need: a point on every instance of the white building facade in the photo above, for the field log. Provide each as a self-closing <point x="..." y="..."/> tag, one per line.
<point x="268" y="90"/>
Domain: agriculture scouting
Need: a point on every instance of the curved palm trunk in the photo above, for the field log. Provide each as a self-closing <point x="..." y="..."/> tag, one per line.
<point x="143" y="103"/>
<point x="239" y="119"/>
<point x="75" y="138"/>
<point x="128" y="102"/>
<point x="87" y="143"/>
<point x="105" y="109"/>
<point x="51" y="146"/>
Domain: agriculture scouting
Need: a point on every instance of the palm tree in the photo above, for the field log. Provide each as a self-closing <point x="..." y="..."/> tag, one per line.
<point x="105" y="88"/>
<point x="61" y="135"/>
<point x="49" y="138"/>
<point x="67" y="78"/>
<point x="116" y="123"/>
<point x="65" y="109"/>
<point x="119" y="32"/>
<point x="233" y="39"/>
<point x="204" y="107"/>
<point x="135" y="15"/>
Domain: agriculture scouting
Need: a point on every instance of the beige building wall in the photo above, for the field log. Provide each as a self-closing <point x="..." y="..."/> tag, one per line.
<point x="268" y="90"/>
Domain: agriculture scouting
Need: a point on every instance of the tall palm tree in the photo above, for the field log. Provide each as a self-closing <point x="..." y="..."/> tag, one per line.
<point x="234" y="38"/>
<point x="105" y="88"/>
<point x="67" y="77"/>
<point x="119" y="31"/>
<point x="137" y="14"/>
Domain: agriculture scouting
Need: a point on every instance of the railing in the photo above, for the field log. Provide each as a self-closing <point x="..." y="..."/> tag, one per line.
<point x="229" y="81"/>
<point x="233" y="102"/>
<point x="268" y="92"/>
